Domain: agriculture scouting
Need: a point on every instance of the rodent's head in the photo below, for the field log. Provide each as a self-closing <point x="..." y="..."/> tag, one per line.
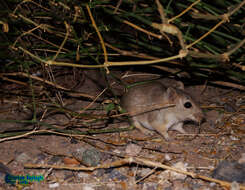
<point x="185" y="107"/>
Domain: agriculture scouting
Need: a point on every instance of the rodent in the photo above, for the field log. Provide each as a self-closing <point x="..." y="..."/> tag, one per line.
<point x="149" y="108"/>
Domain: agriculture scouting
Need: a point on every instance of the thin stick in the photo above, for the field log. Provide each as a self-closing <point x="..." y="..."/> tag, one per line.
<point x="183" y="12"/>
<point x="142" y="30"/>
<point x="161" y="12"/>
<point x="64" y="41"/>
<point x="100" y="37"/>
<point x="206" y="34"/>
<point x="240" y="44"/>
<point x="91" y="103"/>
<point x="122" y="63"/>
<point x="228" y="84"/>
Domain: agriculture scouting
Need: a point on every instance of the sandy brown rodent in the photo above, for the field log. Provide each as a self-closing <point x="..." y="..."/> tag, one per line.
<point x="145" y="103"/>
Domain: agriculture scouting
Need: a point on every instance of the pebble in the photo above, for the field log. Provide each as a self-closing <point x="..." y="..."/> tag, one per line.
<point x="88" y="187"/>
<point x="54" y="160"/>
<point x="116" y="175"/>
<point x="240" y="101"/>
<point x="150" y="186"/>
<point x="242" y="159"/>
<point x="133" y="149"/>
<point x="228" y="107"/>
<point x="180" y="185"/>
<point x="230" y="171"/>
<point x="91" y="157"/>
<point x="23" y="158"/>
<point x="235" y="186"/>
<point x="40" y="158"/>
<point x="83" y="175"/>
<point x="54" y="185"/>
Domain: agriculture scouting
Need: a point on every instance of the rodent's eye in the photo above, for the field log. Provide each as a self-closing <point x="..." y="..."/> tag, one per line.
<point x="188" y="105"/>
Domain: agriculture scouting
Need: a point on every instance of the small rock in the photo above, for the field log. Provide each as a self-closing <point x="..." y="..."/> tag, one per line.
<point x="234" y="138"/>
<point x="212" y="184"/>
<point x="78" y="153"/>
<point x="99" y="172"/>
<point x="73" y="141"/>
<point x="88" y="187"/>
<point x="91" y="157"/>
<point x="83" y="175"/>
<point x="116" y="175"/>
<point x="167" y="174"/>
<point x="117" y="151"/>
<point x="40" y="158"/>
<point x="203" y="188"/>
<point x="167" y="157"/>
<point x="179" y="185"/>
<point x="54" y="160"/>
<point x="133" y="149"/>
<point x="68" y="175"/>
<point x="54" y="185"/>
<point x="230" y="171"/>
<point x="4" y="169"/>
<point x="150" y="186"/>
<point x="108" y="170"/>
<point x="240" y="101"/>
<point x="229" y="107"/>
<point x="2" y="179"/>
<point x="235" y="186"/>
<point x="144" y="171"/>
<point x="242" y="159"/>
<point x="166" y="185"/>
<point x="23" y="158"/>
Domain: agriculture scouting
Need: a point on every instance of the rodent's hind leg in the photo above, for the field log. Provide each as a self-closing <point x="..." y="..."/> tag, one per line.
<point x="137" y="124"/>
<point x="179" y="127"/>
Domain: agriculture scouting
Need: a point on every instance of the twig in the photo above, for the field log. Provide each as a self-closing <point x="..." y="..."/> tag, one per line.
<point x="31" y="55"/>
<point x="122" y="63"/>
<point x="161" y="12"/>
<point x="12" y="80"/>
<point x="242" y="67"/>
<point x="228" y="84"/>
<point x="183" y="12"/>
<point x="206" y="34"/>
<point x="130" y="53"/>
<point x="142" y="30"/>
<point x="240" y="44"/>
<point x="64" y="41"/>
<point x="5" y="27"/>
<point x="91" y="103"/>
<point x="100" y="37"/>
<point x="117" y="7"/>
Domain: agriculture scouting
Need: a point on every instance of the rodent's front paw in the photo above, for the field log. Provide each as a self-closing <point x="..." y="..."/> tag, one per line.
<point x="163" y="131"/>
<point x="166" y="137"/>
<point x="142" y="129"/>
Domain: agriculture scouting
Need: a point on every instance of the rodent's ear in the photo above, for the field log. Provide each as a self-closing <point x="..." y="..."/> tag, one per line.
<point x="180" y="85"/>
<point x="172" y="94"/>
